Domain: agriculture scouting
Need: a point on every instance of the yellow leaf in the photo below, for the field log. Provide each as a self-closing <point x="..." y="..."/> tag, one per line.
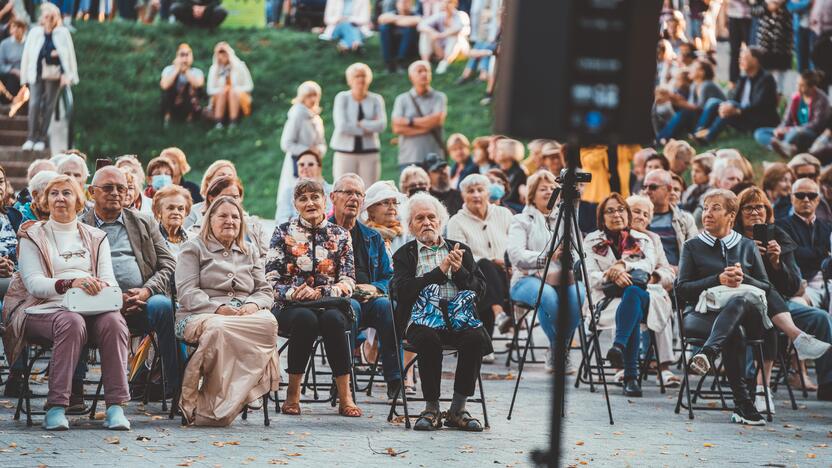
<point x="99" y="415"/>
<point x="617" y="433"/>
<point x="13" y="445"/>
<point x="811" y="455"/>
<point x="580" y="442"/>
<point x="294" y="454"/>
<point x="707" y="444"/>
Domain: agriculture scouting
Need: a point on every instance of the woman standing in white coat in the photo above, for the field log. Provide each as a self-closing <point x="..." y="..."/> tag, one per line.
<point x="304" y="130"/>
<point x="47" y="65"/>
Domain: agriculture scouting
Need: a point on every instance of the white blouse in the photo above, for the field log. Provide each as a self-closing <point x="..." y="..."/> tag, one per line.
<point x="70" y="260"/>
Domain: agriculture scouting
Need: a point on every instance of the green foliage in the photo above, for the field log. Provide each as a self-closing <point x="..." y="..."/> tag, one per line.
<point x="118" y="98"/>
<point x="118" y="113"/>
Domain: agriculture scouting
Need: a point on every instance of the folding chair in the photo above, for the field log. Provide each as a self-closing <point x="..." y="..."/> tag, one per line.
<point x="687" y="398"/>
<point x="517" y="343"/>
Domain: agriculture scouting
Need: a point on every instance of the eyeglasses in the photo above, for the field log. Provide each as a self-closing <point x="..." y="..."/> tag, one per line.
<point x="748" y="209"/>
<point x="615" y="211"/>
<point x="804" y="195"/>
<point x="351" y="193"/>
<point x="652" y="187"/>
<point x="388" y="203"/>
<point x="110" y="188"/>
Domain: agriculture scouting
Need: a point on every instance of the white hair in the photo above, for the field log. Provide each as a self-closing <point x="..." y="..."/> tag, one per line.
<point x="39" y="165"/>
<point x="39" y="181"/>
<point x="73" y="160"/>
<point x="409" y="172"/>
<point x="419" y="63"/>
<point x="353" y="69"/>
<point x="634" y="199"/>
<point x="336" y="185"/>
<point x="473" y="179"/>
<point x="805" y="180"/>
<point x="424" y="198"/>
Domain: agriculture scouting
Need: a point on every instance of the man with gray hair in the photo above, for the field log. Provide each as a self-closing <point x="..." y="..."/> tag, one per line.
<point x="432" y="274"/>
<point x="418" y="117"/>
<point x="372" y="275"/>
<point x="75" y="167"/>
<point x="674" y="226"/>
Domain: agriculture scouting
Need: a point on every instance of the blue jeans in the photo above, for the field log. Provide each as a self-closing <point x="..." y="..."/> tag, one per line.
<point x="801" y="138"/>
<point x="484" y="62"/>
<point x="816" y="322"/>
<point x="347" y="34"/>
<point x="633" y="306"/>
<point x="803" y="42"/>
<point x="711" y="120"/>
<point x="409" y="36"/>
<point x="681" y="123"/>
<point x="378" y="313"/>
<point x="525" y="291"/>
<point x="274" y="10"/>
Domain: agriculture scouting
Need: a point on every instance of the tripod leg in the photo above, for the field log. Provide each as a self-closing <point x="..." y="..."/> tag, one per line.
<point x="523" y="359"/>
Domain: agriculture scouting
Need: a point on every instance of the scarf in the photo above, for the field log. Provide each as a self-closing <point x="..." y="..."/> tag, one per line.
<point x="622" y="244"/>
<point x="388" y="233"/>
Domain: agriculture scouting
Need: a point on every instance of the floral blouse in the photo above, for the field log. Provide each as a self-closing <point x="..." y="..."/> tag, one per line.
<point x="319" y="256"/>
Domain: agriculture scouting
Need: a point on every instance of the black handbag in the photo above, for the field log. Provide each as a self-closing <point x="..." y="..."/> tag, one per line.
<point x="640" y="278"/>
<point x="342" y="304"/>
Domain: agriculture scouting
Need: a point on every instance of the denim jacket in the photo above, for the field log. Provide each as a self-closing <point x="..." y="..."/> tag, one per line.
<point x="380" y="268"/>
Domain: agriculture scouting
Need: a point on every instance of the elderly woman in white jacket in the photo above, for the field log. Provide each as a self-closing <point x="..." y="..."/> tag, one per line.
<point x="528" y="238"/>
<point x="47" y="65"/>
<point x="229" y="85"/>
<point x="304" y="130"/>
<point x="348" y="22"/>
<point x="620" y="262"/>
<point x="359" y="117"/>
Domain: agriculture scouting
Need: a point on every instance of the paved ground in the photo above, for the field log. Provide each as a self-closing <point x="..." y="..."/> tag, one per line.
<point x="646" y="433"/>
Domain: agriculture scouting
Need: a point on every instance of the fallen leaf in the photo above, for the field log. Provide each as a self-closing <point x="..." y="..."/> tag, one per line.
<point x="822" y="445"/>
<point x="278" y="461"/>
<point x="580" y="442"/>
<point x="112" y="440"/>
<point x="707" y="444"/>
<point x="223" y="444"/>
<point x="156" y="418"/>
<point x="13" y="445"/>
<point x="250" y="459"/>
<point x="295" y="454"/>
<point x="142" y="438"/>
<point x="811" y="455"/>
<point x="617" y="433"/>
<point x="99" y="415"/>
<point x="187" y="462"/>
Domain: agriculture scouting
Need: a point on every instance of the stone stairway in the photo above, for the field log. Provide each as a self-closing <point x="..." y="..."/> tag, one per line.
<point x="13" y="134"/>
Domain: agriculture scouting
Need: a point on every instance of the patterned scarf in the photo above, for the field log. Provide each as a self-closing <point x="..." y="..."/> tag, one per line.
<point x="388" y="233"/>
<point x="625" y="246"/>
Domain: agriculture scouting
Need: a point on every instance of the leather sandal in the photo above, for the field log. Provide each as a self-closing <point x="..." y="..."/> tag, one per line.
<point x="428" y="421"/>
<point x="351" y="411"/>
<point x="463" y="421"/>
<point x="291" y="409"/>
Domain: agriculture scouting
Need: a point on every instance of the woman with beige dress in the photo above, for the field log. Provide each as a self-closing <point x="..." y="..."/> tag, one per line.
<point x="225" y="305"/>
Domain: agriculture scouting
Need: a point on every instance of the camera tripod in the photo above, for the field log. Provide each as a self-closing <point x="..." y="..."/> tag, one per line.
<point x="567" y="222"/>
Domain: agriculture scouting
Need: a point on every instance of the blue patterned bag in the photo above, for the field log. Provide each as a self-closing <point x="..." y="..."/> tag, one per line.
<point x="458" y="314"/>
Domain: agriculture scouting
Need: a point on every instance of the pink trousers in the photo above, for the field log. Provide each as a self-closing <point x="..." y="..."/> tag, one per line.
<point x="69" y="332"/>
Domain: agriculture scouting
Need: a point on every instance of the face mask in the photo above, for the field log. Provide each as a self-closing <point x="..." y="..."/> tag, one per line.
<point x="496" y="192"/>
<point x="161" y="181"/>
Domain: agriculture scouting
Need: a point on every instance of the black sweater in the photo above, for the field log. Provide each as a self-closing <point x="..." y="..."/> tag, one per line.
<point x="701" y="265"/>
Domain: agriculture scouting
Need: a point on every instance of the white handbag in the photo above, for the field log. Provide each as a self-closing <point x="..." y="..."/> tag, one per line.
<point x="715" y="298"/>
<point x="108" y="300"/>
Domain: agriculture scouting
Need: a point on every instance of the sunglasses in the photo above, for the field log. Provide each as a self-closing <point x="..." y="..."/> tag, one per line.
<point x="652" y="187"/>
<point x="109" y="188"/>
<point x="804" y="195"/>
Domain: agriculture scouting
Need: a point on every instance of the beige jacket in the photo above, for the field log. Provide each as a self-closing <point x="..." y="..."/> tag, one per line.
<point x="208" y="276"/>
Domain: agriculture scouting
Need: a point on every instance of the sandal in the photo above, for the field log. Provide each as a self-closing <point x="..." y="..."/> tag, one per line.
<point x="291" y="409"/>
<point x="670" y="379"/>
<point x="428" y="421"/>
<point x="351" y="411"/>
<point x="463" y="421"/>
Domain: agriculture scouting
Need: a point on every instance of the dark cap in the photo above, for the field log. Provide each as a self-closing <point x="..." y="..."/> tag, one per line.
<point x="434" y="162"/>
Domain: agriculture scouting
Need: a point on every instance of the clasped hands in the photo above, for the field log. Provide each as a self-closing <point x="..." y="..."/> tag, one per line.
<point x="732" y="276"/>
<point x="245" y="309"/>
<point x="618" y="275"/>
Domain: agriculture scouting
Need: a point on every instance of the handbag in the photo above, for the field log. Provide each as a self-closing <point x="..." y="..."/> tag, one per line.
<point x="108" y="300"/>
<point x="639" y="277"/>
<point x="49" y="72"/>
<point x="342" y="304"/>
<point x="715" y="298"/>
<point x="433" y="311"/>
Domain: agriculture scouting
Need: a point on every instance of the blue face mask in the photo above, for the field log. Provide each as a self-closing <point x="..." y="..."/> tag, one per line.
<point x="161" y="181"/>
<point x="496" y="192"/>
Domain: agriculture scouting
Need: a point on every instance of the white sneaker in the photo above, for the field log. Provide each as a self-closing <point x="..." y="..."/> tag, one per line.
<point x="809" y="347"/>
<point x="39" y="146"/>
<point x="549" y="365"/>
<point x="28" y="145"/>
<point x="760" y="400"/>
<point x="489" y="359"/>
<point x="441" y="67"/>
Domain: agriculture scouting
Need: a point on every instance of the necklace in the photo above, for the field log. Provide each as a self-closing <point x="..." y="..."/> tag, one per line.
<point x="67" y="254"/>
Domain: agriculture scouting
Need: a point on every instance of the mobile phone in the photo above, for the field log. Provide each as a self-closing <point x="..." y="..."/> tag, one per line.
<point x="761" y="233"/>
<point x="102" y="162"/>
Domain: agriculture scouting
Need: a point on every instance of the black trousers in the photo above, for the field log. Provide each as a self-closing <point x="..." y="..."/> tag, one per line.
<point x="12" y="85"/>
<point x="496" y="292"/>
<point x="722" y="334"/>
<point x="428" y="343"/>
<point x="212" y="17"/>
<point x="304" y="326"/>
<point x="739" y="32"/>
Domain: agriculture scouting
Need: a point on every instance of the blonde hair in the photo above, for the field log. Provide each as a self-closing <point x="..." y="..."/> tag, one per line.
<point x="513" y="147"/>
<point x="409" y="172"/>
<point x="458" y="139"/>
<point x="353" y="69"/>
<point x="308" y="88"/>
<point x="211" y="172"/>
<point x="177" y="156"/>
<point x="46" y="8"/>
<point x="73" y="184"/>
<point x="205" y="232"/>
<point x="534" y="181"/>
<point x="167" y="192"/>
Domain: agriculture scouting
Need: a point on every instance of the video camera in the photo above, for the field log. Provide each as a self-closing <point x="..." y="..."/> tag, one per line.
<point x="580" y="176"/>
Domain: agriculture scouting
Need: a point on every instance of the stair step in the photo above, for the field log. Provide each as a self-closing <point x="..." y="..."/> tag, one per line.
<point x="15" y="123"/>
<point x="14" y="153"/>
<point x="18" y="183"/>
<point x="15" y="168"/>
<point x="12" y="137"/>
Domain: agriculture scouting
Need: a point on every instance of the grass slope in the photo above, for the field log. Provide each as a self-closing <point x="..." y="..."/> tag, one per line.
<point x="117" y="100"/>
